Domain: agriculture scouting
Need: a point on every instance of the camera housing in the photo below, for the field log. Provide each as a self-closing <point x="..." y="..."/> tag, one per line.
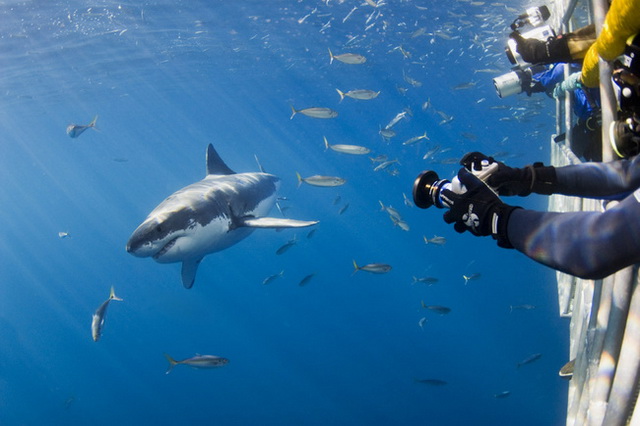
<point x="427" y="188"/>
<point x="534" y="16"/>
<point x="516" y="81"/>
<point x="624" y="134"/>
<point x="540" y="33"/>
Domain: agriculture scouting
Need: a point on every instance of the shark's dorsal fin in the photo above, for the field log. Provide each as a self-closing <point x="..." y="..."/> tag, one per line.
<point x="189" y="269"/>
<point x="215" y="165"/>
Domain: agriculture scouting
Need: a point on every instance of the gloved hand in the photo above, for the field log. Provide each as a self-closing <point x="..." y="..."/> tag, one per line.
<point x="478" y="210"/>
<point x="509" y="181"/>
<point x="534" y="51"/>
<point x="570" y="84"/>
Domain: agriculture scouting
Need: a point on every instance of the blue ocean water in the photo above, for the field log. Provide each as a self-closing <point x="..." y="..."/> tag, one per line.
<point x="166" y="78"/>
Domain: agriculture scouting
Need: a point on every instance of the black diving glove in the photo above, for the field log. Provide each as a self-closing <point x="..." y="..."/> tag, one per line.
<point x="534" y="51"/>
<point x="509" y="181"/>
<point x="478" y="210"/>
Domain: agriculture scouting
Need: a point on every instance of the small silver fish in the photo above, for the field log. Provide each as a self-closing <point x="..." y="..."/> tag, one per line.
<point x="469" y="136"/>
<point x="422" y="321"/>
<point x="419" y="32"/>
<point x="349" y="14"/>
<point x="439" y="241"/>
<point x="375" y="268"/>
<point x="317" y="180"/>
<point x="433" y="151"/>
<point x="396" y="119"/>
<point x="392" y="212"/>
<point x="347" y="58"/>
<point x="407" y="201"/>
<point x="415" y="139"/>
<point x="524" y="307"/>
<point x="471" y="277"/>
<point x="529" y="360"/>
<point x="425" y="280"/>
<point x="287" y="246"/>
<point x="270" y="278"/>
<point x="314" y="112"/>
<point x="343" y="209"/>
<point x="75" y="130"/>
<point x="63" y="234"/>
<point x="378" y="159"/>
<point x="306" y="280"/>
<point x="384" y="165"/>
<point x="198" y="361"/>
<point x="362" y="94"/>
<point x="441" y="310"/>
<point x="502" y="395"/>
<point x="431" y="382"/>
<point x="400" y="223"/>
<point x="463" y="86"/>
<point x="97" y="321"/>
<point x="387" y="134"/>
<point x="447" y="120"/>
<point x="488" y="70"/>
<point x="347" y="149"/>
<point x="411" y="81"/>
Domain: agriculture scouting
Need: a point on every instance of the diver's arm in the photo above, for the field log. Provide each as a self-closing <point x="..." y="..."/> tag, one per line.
<point x="598" y="179"/>
<point x="615" y="179"/>
<point x="589" y="245"/>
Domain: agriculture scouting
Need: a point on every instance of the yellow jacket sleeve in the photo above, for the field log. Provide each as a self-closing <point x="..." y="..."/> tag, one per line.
<point x="621" y="22"/>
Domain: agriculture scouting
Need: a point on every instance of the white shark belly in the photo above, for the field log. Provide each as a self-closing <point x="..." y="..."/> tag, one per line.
<point x="217" y="235"/>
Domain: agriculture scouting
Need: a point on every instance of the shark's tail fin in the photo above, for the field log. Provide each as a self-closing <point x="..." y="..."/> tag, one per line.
<point x="172" y="363"/>
<point x="112" y="295"/>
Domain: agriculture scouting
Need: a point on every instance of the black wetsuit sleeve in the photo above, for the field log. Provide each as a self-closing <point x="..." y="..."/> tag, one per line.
<point x="596" y="180"/>
<point x="589" y="245"/>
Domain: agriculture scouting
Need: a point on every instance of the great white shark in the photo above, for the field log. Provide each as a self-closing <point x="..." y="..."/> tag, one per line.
<point x="208" y="216"/>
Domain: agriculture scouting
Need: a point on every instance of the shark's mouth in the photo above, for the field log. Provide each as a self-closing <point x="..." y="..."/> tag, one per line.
<point x="165" y="249"/>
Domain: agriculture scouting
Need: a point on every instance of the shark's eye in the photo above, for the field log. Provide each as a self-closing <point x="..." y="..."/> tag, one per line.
<point x="158" y="228"/>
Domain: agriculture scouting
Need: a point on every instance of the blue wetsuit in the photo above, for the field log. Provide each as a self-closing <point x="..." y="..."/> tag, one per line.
<point x="586" y="244"/>
<point x="584" y="104"/>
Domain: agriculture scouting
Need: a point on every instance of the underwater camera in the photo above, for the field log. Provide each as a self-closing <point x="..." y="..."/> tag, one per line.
<point x="427" y="188"/>
<point x="540" y="33"/>
<point x="624" y="134"/>
<point x="517" y="81"/>
<point x="533" y="16"/>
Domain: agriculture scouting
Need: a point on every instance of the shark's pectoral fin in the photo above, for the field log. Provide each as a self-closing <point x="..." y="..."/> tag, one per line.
<point x="272" y="222"/>
<point x="189" y="269"/>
